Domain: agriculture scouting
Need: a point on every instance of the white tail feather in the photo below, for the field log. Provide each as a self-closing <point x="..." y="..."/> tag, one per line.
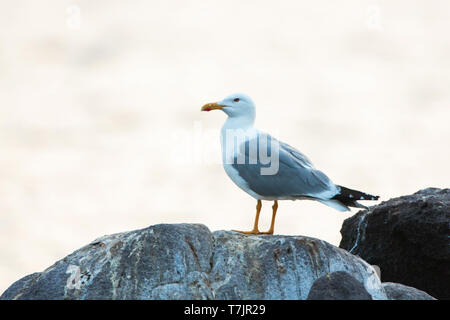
<point x="335" y="204"/>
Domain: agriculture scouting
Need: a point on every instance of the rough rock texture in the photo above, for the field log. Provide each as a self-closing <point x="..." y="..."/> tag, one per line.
<point x="338" y="285"/>
<point x="185" y="261"/>
<point x="397" y="291"/>
<point x="408" y="238"/>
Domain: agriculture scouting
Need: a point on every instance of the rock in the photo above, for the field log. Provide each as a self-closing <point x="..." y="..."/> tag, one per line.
<point x="186" y="261"/>
<point x="338" y="285"/>
<point x="407" y="237"/>
<point x="160" y="262"/>
<point x="397" y="291"/>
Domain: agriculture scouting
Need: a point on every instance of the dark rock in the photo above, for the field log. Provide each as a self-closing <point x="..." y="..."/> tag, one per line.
<point x="186" y="261"/>
<point x="338" y="286"/>
<point x="160" y="262"/>
<point x="408" y="238"/>
<point x="397" y="291"/>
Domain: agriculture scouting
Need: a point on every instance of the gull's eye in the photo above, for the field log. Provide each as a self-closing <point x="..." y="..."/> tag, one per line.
<point x="236" y="100"/>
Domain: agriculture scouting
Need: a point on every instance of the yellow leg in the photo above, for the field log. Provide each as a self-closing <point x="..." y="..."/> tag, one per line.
<point x="272" y="223"/>
<point x="255" y="226"/>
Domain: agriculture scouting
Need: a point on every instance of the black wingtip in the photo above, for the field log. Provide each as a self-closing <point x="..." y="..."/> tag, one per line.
<point x="368" y="197"/>
<point x="349" y="197"/>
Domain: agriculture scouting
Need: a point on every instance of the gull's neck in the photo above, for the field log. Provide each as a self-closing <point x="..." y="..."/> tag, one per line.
<point x="235" y="128"/>
<point x="244" y="123"/>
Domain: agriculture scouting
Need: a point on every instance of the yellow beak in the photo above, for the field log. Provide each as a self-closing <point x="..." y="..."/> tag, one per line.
<point x="212" y="106"/>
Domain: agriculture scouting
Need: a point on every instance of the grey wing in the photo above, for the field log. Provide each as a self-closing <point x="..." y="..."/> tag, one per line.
<point x="297" y="155"/>
<point x="296" y="175"/>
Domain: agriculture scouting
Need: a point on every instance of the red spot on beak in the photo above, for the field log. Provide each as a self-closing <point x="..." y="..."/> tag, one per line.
<point x="207" y="109"/>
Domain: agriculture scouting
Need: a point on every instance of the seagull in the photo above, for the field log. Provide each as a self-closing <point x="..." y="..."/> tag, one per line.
<point x="271" y="170"/>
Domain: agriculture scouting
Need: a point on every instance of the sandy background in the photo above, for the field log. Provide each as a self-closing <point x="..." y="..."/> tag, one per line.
<point x="100" y="128"/>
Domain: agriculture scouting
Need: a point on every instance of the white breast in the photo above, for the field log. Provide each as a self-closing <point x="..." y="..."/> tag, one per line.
<point x="234" y="175"/>
<point x="228" y="157"/>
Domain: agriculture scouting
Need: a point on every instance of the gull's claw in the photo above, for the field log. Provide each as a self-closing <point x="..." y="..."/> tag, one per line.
<point x="253" y="232"/>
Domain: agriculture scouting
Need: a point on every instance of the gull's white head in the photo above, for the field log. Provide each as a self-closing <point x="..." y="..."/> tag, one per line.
<point x="237" y="105"/>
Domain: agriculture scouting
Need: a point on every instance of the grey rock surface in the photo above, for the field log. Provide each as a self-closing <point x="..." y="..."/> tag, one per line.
<point x="338" y="285"/>
<point x="397" y="291"/>
<point x="408" y="238"/>
<point x="186" y="261"/>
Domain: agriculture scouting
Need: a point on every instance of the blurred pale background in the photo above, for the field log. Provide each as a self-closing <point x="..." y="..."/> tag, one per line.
<point x="101" y="129"/>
